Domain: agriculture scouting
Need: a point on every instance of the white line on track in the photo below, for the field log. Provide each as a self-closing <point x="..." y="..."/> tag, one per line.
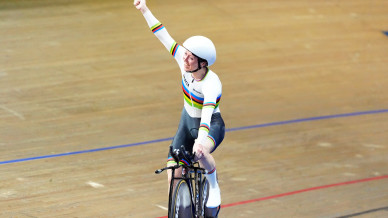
<point x="373" y="146"/>
<point x="20" y="116"/>
<point x="95" y="184"/>
<point x="161" y="207"/>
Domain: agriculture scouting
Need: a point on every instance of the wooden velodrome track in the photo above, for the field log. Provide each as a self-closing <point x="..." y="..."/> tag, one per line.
<point x="305" y="92"/>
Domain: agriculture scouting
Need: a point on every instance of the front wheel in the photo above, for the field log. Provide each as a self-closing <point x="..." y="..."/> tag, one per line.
<point x="181" y="204"/>
<point x="204" y="196"/>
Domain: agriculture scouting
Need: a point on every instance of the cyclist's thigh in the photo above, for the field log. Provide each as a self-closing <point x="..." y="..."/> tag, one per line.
<point x="183" y="136"/>
<point x="217" y="130"/>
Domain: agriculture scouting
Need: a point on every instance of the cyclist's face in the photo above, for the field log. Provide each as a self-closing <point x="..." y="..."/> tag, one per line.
<point x="190" y="61"/>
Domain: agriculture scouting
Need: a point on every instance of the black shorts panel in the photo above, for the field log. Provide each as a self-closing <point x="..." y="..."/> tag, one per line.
<point x="188" y="131"/>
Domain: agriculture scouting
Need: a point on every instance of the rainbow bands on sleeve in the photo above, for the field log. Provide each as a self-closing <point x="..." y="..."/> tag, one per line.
<point x="204" y="127"/>
<point x="155" y="28"/>
<point x="209" y="105"/>
<point x="174" y="48"/>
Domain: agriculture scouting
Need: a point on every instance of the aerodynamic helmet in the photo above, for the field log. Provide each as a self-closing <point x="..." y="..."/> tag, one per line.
<point x="201" y="47"/>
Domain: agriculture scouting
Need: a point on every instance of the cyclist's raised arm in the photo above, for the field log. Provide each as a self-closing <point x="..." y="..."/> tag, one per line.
<point x="160" y="32"/>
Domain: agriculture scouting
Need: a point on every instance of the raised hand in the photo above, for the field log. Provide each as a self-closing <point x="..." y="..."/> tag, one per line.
<point x="140" y="5"/>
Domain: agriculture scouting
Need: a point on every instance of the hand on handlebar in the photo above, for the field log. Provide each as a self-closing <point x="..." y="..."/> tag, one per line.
<point x="182" y="154"/>
<point x="198" y="151"/>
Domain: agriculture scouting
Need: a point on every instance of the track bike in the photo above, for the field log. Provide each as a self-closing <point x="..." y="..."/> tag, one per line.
<point x="189" y="196"/>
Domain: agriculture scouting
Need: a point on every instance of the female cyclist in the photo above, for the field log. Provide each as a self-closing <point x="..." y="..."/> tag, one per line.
<point x="201" y="128"/>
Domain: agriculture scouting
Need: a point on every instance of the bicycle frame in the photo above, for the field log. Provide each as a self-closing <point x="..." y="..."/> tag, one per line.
<point x="192" y="174"/>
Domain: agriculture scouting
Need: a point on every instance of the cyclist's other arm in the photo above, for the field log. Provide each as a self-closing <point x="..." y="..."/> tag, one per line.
<point x="212" y="94"/>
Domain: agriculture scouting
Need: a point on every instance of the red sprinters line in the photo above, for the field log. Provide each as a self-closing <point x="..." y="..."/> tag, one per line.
<point x="304" y="190"/>
<point x="301" y="191"/>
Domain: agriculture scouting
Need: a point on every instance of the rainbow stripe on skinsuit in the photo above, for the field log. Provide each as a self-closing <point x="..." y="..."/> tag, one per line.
<point x="174" y="48"/>
<point x="198" y="101"/>
<point x="213" y="141"/>
<point x="181" y="162"/>
<point x="155" y="28"/>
